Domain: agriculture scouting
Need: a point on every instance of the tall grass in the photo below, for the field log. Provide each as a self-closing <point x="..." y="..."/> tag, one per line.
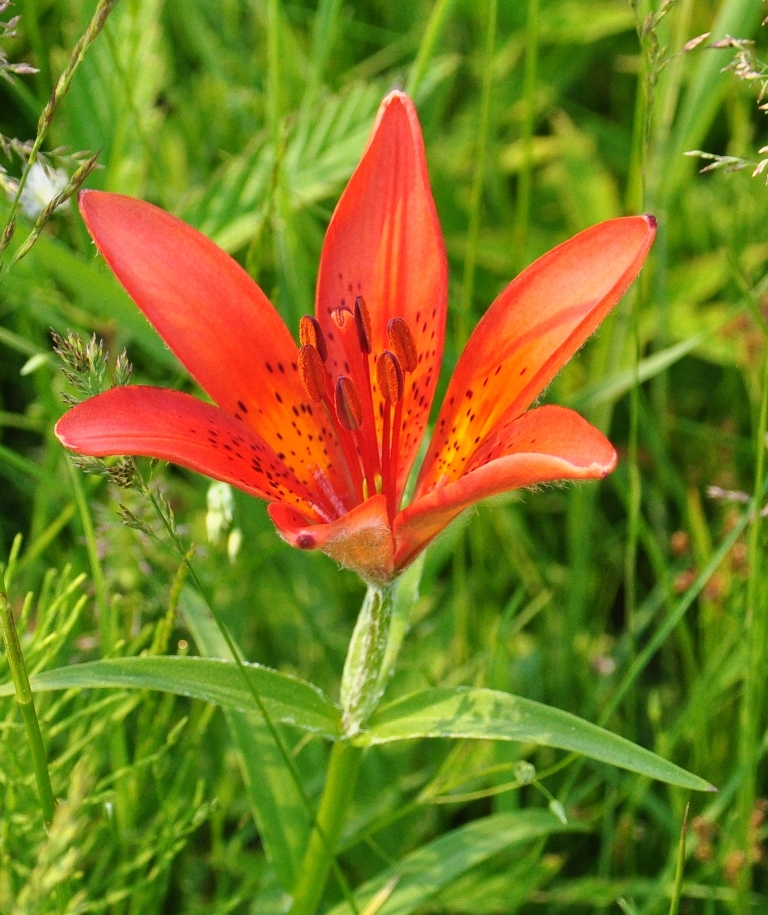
<point x="638" y="603"/>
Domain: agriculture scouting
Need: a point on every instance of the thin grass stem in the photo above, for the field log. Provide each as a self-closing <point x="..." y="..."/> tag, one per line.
<point x="470" y="260"/>
<point x="525" y="179"/>
<point x="271" y="727"/>
<point x="25" y="701"/>
<point x="437" y="20"/>
<point x="99" y="18"/>
<point x="97" y="573"/>
<point x="756" y="632"/>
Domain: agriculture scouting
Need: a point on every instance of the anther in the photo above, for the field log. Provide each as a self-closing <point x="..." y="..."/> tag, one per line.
<point x="402" y="343"/>
<point x="363" y="321"/>
<point x="311" y="334"/>
<point x="390" y="377"/>
<point x="349" y="409"/>
<point x="312" y="372"/>
<point x="341" y="315"/>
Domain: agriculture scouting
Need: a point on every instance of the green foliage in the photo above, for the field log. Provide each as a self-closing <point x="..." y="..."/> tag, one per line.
<point x="461" y="712"/>
<point x="638" y="604"/>
<point x="287" y="699"/>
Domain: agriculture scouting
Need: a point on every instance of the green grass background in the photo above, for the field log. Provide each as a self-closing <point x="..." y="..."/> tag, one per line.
<point x="613" y="601"/>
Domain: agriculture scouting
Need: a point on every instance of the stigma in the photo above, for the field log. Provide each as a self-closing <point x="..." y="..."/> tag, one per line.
<point x="365" y="402"/>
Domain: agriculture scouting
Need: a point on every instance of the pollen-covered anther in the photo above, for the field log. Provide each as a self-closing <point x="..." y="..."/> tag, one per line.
<point x="349" y="407"/>
<point x="402" y="343"/>
<point x="390" y="377"/>
<point x="312" y="372"/>
<point x="340" y="316"/>
<point x="311" y="334"/>
<point x="363" y="322"/>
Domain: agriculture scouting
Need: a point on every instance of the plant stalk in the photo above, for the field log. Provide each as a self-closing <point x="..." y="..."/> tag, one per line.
<point x="523" y="208"/>
<point x="756" y="632"/>
<point x="381" y="626"/>
<point x="361" y="686"/>
<point x="473" y="229"/>
<point x="338" y="791"/>
<point x="27" y="707"/>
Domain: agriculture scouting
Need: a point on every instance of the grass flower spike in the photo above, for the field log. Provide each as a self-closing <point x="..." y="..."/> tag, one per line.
<point x="327" y="431"/>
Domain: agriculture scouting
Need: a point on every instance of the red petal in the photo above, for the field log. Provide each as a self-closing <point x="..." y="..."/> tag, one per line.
<point x="547" y="444"/>
<point x="219" y="324"/>
<point x="528" y="334"/>
<point x="172" y="426"/>
<point x="384" y="243"/>
<point x="361" y="540"/>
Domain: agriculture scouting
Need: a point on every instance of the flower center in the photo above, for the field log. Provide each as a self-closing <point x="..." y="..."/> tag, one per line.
<point x="371" y="453"/>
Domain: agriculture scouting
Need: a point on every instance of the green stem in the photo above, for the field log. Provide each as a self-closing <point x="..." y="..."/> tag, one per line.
<point x="32" y="28"/>
<point x="27" y="707"/>
<point x="235" y="652"/>
<point x="361" y="685"/>
<point x="103" y="9"/>
<point x="477" y="185"/>
<point x="523" y="209"/>
<point x="339" y="787"/>
<point x="633" y="523"/>
<point x="437" y="19"/>
<point x="273" y="71"/>
<point x="99" y="583"/>
<point x="381" y="625"/>
<point x="756" y="631"/>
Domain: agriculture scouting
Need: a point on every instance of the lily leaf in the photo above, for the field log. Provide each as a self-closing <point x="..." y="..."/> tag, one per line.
<point x="492" y="715"/>
<point x="287" y="699"/>
<point x="408" y="884"/>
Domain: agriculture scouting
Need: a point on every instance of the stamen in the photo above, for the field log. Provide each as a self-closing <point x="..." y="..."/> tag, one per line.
<point x="348" y="406"/>
<point x="328" y="491"/>
<point x="397" y="424"/>
<point x="363" y="321"/>
<point x="311" y="334"/>
<point x="402" y="343"/>
<point x="317" y="386"/>
<point x="349" y="409"/>
<point x="323" y="515"/>
<point x="312" y="372"/>
<point x="390" y="377"/>
<point x="340" y="316"/>
<point x="352" y="334"/>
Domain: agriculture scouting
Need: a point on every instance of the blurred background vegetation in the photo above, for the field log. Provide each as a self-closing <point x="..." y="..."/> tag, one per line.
<point x="624" y="602"/>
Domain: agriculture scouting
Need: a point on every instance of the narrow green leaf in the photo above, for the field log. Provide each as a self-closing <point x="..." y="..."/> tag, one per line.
<point x="415" y="879"/>
<point x="275" y="800"/>
<point x="287" y="699"/>
<point x="492" y="715"/>
<point x="610" y="389"/>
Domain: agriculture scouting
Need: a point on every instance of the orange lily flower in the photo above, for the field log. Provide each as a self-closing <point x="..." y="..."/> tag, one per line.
<point x="328" y="432"/>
